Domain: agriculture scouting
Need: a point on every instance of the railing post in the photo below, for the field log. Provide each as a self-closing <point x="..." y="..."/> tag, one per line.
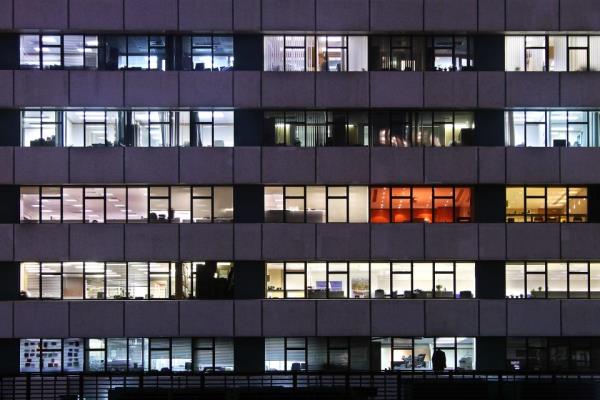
<point x="294" y="380"/>
<point x="399" y="385"/>
<point x="80" y="389"/>
<point x="28" y="387"/>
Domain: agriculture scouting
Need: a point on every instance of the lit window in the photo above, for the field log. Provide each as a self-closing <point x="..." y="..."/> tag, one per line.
<point x="377" y="280"/>
<point x="546" y="204"/>
<point x="315" y="53"/>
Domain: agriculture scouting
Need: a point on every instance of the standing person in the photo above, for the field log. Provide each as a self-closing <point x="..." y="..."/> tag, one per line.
<point x="438" y="360"/>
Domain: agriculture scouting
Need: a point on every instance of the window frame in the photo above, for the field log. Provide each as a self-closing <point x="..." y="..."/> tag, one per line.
<point x="107" y="281"/>
<point x="125" y="124"/>
<point x="328" y="197"/>
<point x="313" y="53"/>
<point x="592" y="128"/>
<point x="427" y="52"/>
<point x="544" y="294"/>
<point x="529" y="347"/>
<point x="127" y="217"/>
<point x="510" y="218"/>
<point x="411" y="200"/>
<point x="546" y="49"/>
<point x="389" y="292"/>
<point x="61" y="52"/>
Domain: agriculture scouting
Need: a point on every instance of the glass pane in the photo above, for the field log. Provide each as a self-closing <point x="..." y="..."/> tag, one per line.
<point x="536" y="285"/>
<point x="181" y="354"/>
<point x="116" y="355"/>
<point x="116" y="274"/>
<point x="73" y="51"/>
<point x="595" y="280"/>
<point x="422" y="280"/>
<point x="72" y="204"/>
<point x="72" y="280"/>
<point x="337" y="210"/>
<point x="515" y="280"/>
<point x="223" y="204"/>
<point x="315" y="204"/>
<point x="51" y="280"/>
<point x="273" y="53"/>
<point x="94" y="280"/>
<point x="380" y="205"/>
<point x="294" y="285"/>
<point x="557" y="280"/>
<point x="358" y="204"/>
<point x="557" y="53"/>
<point x="159" y="281"/>
<point x="557" y="204"/>
<point x="514" y="53"/>
<point x="380" y="280"/>
<point x="51" y="355"/>
<point x="535" y="59"/>
<point x="515" y="204"/>
<point x="316" y="280"/>
<point x="465" y="280"/>
<point x="138" y="280"/>
<point x="73" y="355"/>
<point x="274" y="280"/>
<point x="222" y="53"/>
<point x="30" y="280"/>
<point x="578" y="280"/>
<point x="30" y="51"/>
<point x="137" y="348"/>
<point x="137" y="204"/>
<point x="422" y="205"/>
<point x="180" y="204"/>
<point x="359" y="280"/>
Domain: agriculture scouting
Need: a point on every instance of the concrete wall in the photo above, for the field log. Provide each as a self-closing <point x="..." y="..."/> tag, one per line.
<point x="293" y="242"/>
<point x="302" y="166"/>
<point x="303" y="15"/>
<point x="222" y="318"/>
<point x="495" y="89"/>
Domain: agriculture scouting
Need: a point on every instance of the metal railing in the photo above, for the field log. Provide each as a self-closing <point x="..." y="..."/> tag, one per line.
<point x="373" y="386"/>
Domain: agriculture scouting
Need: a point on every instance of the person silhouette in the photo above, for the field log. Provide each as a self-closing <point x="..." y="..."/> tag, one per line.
<point x="438" y="360"/>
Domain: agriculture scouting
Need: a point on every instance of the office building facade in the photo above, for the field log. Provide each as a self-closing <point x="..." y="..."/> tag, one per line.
<point x="300" y="194"/>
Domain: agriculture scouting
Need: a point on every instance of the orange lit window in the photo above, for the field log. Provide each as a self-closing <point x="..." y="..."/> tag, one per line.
<point x="401" y="204"/>
<point x="443" y="204"/>
<point x="462" y="204"/>
<point x="380" y="205"/>
<point x="420" y="204"/>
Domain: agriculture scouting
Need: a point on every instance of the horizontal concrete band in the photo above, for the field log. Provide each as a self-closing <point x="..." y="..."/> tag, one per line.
<point x="275" y="318"/>
<point x="304" y="242"/>
<point x="300" y="166"/>
<point x="254" y="89"/>
<point x="301" y="15"/>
